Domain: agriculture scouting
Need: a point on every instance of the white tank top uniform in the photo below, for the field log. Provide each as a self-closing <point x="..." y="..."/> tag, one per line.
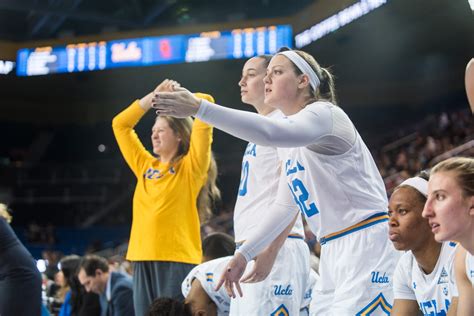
<point x="433" y="292"/>
<point x="332" y="177"/>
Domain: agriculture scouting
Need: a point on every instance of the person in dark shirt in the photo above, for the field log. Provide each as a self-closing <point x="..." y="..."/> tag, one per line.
<point x="20" y="280"/>
<point x="78" y="302"/>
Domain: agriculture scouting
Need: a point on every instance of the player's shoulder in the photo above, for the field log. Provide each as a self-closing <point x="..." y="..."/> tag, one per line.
<point x="321" y="104"/>
<point x="406" y="260"/>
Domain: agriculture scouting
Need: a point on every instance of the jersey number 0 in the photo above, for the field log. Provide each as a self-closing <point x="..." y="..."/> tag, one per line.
<point x="244" y="178"/>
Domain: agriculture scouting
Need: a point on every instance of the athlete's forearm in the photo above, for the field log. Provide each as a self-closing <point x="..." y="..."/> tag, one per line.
<point x="280" y="240"/>
<point x="273" y="226"/>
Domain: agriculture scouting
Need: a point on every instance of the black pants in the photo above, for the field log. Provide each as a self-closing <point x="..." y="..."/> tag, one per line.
<point x="153" y="279"/>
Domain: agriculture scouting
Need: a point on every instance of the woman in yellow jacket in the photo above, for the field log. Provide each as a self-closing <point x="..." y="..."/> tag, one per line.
<point x="173" y="193"/>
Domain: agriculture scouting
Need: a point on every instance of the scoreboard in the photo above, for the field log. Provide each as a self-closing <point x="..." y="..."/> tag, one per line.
<point x="185" y="48"/>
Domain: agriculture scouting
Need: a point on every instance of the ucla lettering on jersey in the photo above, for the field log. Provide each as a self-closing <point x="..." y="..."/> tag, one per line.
<point x="281" y="290"/>
<point x="431" y="308"/>
<point x="152" y="174"/>
<point x="251" y="150"/>
<point x="293" y="169"/>
<point x="378" y="277"/>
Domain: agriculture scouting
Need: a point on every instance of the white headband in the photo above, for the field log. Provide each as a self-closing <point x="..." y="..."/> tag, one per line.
<point x="303" y="66"/>
<point x="419" y="184"/>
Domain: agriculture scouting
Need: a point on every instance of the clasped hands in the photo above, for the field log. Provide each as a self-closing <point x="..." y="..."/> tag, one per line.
<point x="170" y="99"/>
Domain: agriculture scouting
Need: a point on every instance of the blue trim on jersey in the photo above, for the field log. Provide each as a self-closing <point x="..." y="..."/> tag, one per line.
<point x="372" y="306"/>
<point x="281" y="311"/>
<point x="292" y="236"/>
<point x="304" y="310"/>
<point x="362" y="225"/>
<point x="295" y="237"/>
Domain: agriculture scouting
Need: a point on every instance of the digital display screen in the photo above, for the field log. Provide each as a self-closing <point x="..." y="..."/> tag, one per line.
<point x="206" y="46"/>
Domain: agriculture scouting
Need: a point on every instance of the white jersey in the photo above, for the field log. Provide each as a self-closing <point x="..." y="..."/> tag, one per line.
<point x="335" y="192"/>
<point x="208" y="274"/>
<point x="330" y="174"/>
<point x="470" y="267"/>
<point x="261" y="168"/>
<point x="330" y="171"/>
<point x="433" y="292"/>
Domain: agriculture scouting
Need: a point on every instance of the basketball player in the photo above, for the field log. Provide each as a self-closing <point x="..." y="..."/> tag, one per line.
<point x="450" y="212"/>
<point x="284" y="289"/>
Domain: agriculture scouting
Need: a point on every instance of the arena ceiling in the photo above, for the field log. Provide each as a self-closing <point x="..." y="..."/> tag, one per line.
<point x="405" y="53"/>
<point x="28" y="20"/>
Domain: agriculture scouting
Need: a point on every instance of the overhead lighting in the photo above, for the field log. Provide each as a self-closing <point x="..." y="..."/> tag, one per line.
<point x="337" y="21"/>
<point x="471" y="4"/>
<point x="6" y="67"/>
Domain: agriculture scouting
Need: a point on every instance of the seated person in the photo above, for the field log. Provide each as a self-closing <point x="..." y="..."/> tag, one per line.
<point x="422" y="281"/>
<point x="114" y="288"/>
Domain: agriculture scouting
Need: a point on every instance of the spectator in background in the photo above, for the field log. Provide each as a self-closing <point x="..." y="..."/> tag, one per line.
<point x="77" y="301"/>
<point x="52" y="259"/>
<point x="172" y="195"/>
<point x="117" y="263"/>
<point x="114" y="288"/>
<point x="217" y="245"/>
<point x="20" y="280"/>
<point x="57" y="292"/>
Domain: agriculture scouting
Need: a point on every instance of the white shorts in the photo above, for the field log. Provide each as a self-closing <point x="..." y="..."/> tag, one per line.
<point x="310" y="284"/>
<point x="283" y="291"/>
<point x="356" y="274"/>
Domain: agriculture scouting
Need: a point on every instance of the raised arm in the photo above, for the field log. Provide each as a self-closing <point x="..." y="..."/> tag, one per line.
<point x="123" y="125"/>
<point x="301" y="129"/>
<point x="200" y="144"/>
<point x="127" y="139"/>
